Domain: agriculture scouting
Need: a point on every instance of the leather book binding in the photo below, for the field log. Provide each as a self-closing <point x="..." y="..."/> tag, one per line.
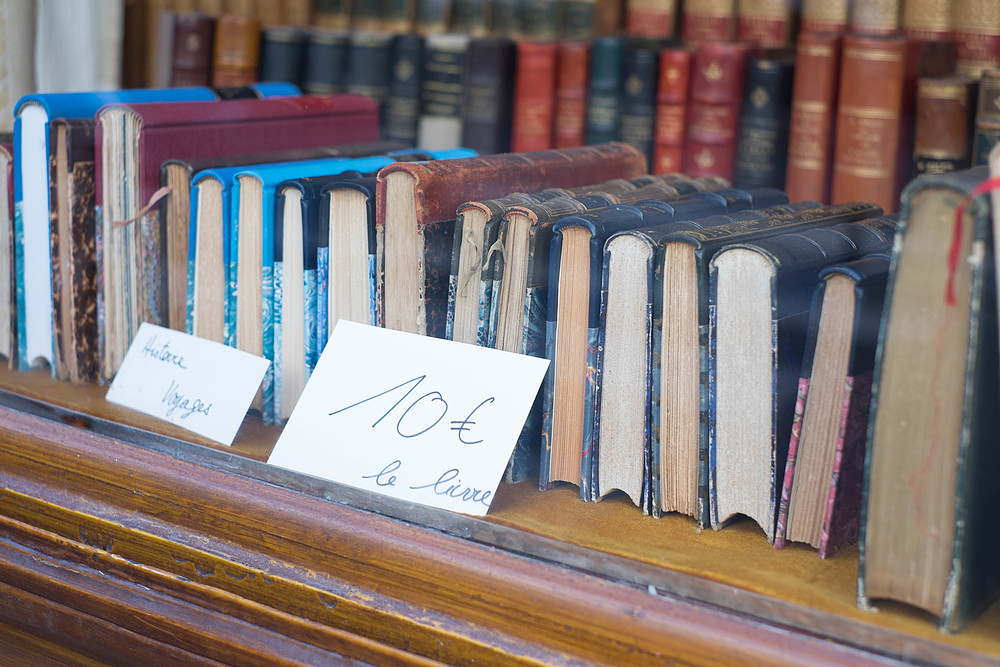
<point x="236" y="52"/>
<point x="192" y="49"/>
<point x="534" y="96"/>
<point x="671" y="110"/>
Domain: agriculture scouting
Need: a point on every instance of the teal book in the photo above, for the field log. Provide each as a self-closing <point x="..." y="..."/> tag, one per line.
<point x="928" y="536"/>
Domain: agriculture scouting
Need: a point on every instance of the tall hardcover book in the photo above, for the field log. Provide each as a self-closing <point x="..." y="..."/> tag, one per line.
<point x="765" y="117"/>
<point x="716" y="92"/>
<point x="282" y="53"/>
<point x="145" y="136"/>
<point x="945" y="115"/>
<point x="927" y="538"/>
<point x="604" y="89"/>
<point x="440" y="124"/>
<point x="811" y="127"/>
<point x="976" y="27"/>
<point x="824" y="16"/>
<point x="681" y="352"/>
<point x="824" y="470"/>
<point x="767" y="23"/>
<point x="755" y="360"/>
<point x="640" y="72"/>
<point x="488" y="95"/>
<point x="876" y="17"/>
<point x="416" y="209"/>
<point x="986" y="132"/>
<point x="651" y="18"/>
<point x="570" y="119"/>
<point x="402" y="102"/>
<point x="193" y="35"/>
<point x="325" y="68"/>
<point x="708" y="21"/>
<point x="672" y="93"/>
<point x="539" y="20"/>
<point x="927" y="19"/>
<point x="32" y="205"/>
<point x="534" y="96"/>
<point x="236" y="50"/>
<point x="369" y="68"/>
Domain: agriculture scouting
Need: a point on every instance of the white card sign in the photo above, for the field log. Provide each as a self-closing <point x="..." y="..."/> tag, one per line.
<point x="413" y="417"/>
<point x="198" y="384"/>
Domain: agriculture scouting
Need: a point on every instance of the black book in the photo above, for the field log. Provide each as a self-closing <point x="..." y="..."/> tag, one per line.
<point x="324" y="71"/>
<point x="369" y="67"/>
<point x="402" y="105"/>
<point x="282" y="54"/>
<point x="640" y="73"/>
<point x="488" y="105"/>
<point x="765" y="119"/>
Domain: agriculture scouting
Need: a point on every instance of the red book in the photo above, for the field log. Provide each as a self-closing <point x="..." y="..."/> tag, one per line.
<point x="671" y="110"/>
<point x="709" y="21"/>
<point x="534" y="96"/>
<point x="814" y="108"/>
<point x="714" y="111"/>
<point x="977" y="29"/>
<point x="767" y="23"/>
<point x="141" y="137"/>
<point x="571" y="94"/>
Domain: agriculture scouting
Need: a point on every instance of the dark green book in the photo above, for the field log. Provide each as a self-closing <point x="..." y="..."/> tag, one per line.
<point x="604" y="88"/>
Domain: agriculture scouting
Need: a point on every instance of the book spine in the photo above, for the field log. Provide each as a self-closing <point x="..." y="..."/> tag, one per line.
<point x="762" y="139"/>
<point x="976" y="25"/>
<point x="192" y="50"/>
<point x="671" y="110"/>
<point x="868" y="121"/>
<point x="282" y="53"/>
<point x="944" y="121"/>
<point x="236" y="51"/>
<point x="506" y="19"/>
<point x="402" y="104"/>
<point x="571" y="94"/>
<point x="487" y="109"/>
<point x="824" y="16"/>
<point x="274" y="399"/>
<point x="814" y="104"/>
<point x="716" y="92"/>
<point x="603" y="89"/>
<point x="325" y="66"/>
<point x="987" y="123"/>
<point x="638" y="101"/>
<point x="369" y="68"/>
<point x="332" y="14"/>
<point x="539" y="19"/>
<point x="471" y="17"/>
<point x="875" y="17"/>
<point x="322" y="296"/>
<point x="650" y="18"/>
<point x="534" y="97"/>
<point x="768" y="23"/>
<point x="432" y="17"/>
<point x="59" y="332"/>
<point x="441" y="92"/>
<point x="927" y="19"/>
<point x="577" y="20"/>
<point x="708" y="21"/>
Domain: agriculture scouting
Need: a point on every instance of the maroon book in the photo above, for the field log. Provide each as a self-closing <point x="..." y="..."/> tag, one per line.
<point x="714" y="111"/>
<point x="571" y="94"/>
<point x="192" y="49"/>
<point x="144" y="136"/>
<point x="671" y="110"/>
<point x="534" y="96"/>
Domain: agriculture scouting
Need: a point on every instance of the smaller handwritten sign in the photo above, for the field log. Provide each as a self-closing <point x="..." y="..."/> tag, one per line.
<point x="198" y="384"/>
<point x="417" y="418"/>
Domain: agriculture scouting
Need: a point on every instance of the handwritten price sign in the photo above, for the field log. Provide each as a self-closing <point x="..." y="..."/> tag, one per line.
<point x="416" y="418"/>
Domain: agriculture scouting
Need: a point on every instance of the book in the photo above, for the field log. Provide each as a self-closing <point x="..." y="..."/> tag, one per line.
<point x="926" y="538"/>
<point x="402" y="101"/>
<point x="32" y="205"/>
<point x="708" y="21"/>
<point x="880" y="17"/>
<point x="761" y="158"/>
<point x="945" y="114"/>
<point x="17" y="36"/>
<point x="146" y="135"/>
<point x="651" y="18"/>
<point x="811" y="127"/>
<point x="539" y="20"/>
<point x="325" y="68"/>
<point x="986" y="133"/>
<point x="570" y="116"/>
<point x="767" y="23"/>
<point x="236" y="50"/>
<point x="976" y="27"/>
<point x="534" y="96"/>
<point x="604" y="89"/>
<point x="191" y="61"/>
<point x="440" y="123"/>
<point x="471" y="17"/>
<point x="8" y="298"/>
<point x="619" y="453"/>
<point x="926" y="19"/>
<point x="637" y="121"/>
<point x="824" y="470"/>
<point x="432" y="17"/>
<point x="713" y="114"/>
<point x="680" y="362"/>
<point x="755" y="359"/>
<point x="416" y="205"/>
<point x="671" y="110"/>
<point x="823" y="16"/>
<point x="332" y="14"/>
<point x="369" y="68"/>
<point x="488" y="94"/>
<point x="282" y="53"/>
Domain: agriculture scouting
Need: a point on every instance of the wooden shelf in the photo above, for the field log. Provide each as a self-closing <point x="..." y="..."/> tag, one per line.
<point x="139" y="540"/>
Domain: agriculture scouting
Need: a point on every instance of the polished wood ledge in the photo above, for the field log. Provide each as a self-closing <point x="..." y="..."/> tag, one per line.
<point x="122" y="545"/>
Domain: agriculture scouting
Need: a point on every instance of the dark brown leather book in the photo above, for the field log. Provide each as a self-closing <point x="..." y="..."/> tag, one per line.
<point x="945" y="114"/>
<point x="768" y="23"/>
<point x="708" y="21"/>
<point x="823" y="16"/>
<point x="716" y="92"/>
<point x="571" y="94"/>
<point x="651" y="18"/>
<point x="671" y="110"/>
<point x="416" y="207"/>
<point x="192" y="50"/>
<point x="875" y="17"/>
<point x="976" y="26"/>
<point x="236" y="52"/>
<point x="534" y="96"/>
<point x="814" y="108"/>
<point x="987" y="123"/>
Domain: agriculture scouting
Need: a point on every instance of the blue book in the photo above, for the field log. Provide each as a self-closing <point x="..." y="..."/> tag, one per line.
<point x="31" y="201"/>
